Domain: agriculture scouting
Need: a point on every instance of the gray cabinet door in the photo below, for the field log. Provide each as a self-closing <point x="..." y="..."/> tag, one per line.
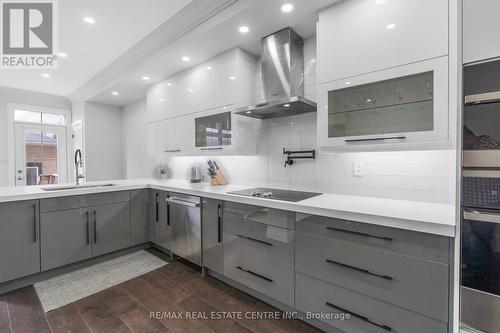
<point x="163" y="224"/>
<point x="211" y="227"/>
<point x="19" y="239"/>
<point x="111" y="227"/>
<point x="139" y="216"/>
<point x="65" y="237"/>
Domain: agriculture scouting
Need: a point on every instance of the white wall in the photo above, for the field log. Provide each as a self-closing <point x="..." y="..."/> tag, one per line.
<point x="137" y="163"/>
<point x="11" y="95"/>
<point x="413" y="175"/>
<point x="103" y="142"/>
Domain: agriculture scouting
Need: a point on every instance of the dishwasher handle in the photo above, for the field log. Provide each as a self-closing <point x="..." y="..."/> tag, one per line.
<point x="182" y="202"/>
<point x="481" y="216"/>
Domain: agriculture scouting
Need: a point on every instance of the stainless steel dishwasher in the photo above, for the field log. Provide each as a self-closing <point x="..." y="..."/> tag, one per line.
<point x="184" y="218"/>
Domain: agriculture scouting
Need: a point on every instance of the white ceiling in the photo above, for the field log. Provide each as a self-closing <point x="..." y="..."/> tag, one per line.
<point x="263" y="17"/>
<point x="120" y="24"/>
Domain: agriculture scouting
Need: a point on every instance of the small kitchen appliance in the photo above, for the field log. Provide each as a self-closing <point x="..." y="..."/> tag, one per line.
<point x="195" y="175"/>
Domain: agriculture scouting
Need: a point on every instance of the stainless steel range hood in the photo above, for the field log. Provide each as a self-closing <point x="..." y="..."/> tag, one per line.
<point x="282" y="78"/>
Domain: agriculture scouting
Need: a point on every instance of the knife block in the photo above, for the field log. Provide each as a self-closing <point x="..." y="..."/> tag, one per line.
<point x="219" y="178"/>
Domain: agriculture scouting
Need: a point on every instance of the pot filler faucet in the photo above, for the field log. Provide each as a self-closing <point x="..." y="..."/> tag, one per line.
<point x="78" y="165"/>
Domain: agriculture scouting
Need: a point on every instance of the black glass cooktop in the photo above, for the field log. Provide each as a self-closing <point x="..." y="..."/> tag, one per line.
<point x="271" y="193"/>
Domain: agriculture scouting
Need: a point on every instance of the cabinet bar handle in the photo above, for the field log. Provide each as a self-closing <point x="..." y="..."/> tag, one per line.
<point x="172" y="151"/>
<point x="219" y="223"/>
<point x="214" y="148"/>
<point x="88" y="227"/>
<point x="95" y="226"/>
<point x="34" y="224"/>
<point x="157" y="208"/>
<point x="168" y="211"/>
<point x="359" y="233"/>
<point x="254" y="274"/>
<point x="255" y="240"/>
<point x="355" y="315"/>
<point x="386" y="277"/>
<point x="377" y="139"/>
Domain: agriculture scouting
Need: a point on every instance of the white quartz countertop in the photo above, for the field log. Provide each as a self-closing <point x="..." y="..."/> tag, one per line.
<point x="419" y="216"/>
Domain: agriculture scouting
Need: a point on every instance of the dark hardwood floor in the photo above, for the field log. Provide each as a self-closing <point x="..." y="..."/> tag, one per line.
<point x="127" y="307"/>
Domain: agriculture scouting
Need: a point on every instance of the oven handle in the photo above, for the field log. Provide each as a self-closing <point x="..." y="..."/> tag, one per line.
<point x="476" y="215"/>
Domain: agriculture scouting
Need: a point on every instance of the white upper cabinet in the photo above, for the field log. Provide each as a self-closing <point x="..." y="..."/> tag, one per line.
<point x="362" y="36"/>
<point x="226" y="79"/>
<point x="402" y="108"/>
<point x="481" y="25"/>
<point x="190" y="113"/>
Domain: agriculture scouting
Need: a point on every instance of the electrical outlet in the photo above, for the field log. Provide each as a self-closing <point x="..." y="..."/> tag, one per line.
<point x="358" y="169"/>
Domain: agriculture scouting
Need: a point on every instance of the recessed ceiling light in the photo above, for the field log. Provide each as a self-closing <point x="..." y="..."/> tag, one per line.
<point x="368" y="100"/>
<point x="115" y="93"/>
<point x="243" y="29"/>
<point x="232" y="78"/>
<point x="224" y="107"/>
<point x="185" y="59"/>
<point x="190" y="90"/>
<point x="162" y="99"/>
<point x="46" y="75"/>
<point x="248" y="112"/>
<point x="390" y="26"/>
<point x="347" y="83"/>
<point x="146" y="78"/>
<point x="286" y="105"/>
<point x="62" y="55"/>
<point x="286" y="8"/>
<point x="208" y="68"/>
<point x="380" y="2"/>
<point x="169" y="84"/>
<point x="89" y="20"/>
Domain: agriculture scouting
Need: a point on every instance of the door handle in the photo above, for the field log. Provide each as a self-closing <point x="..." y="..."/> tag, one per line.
<point x="95" y="226"/>
<point x="359" y="233"/>
<point x="157" y="208"/>
<point x="254" y="274"/>
<point x="168" y="211"/>
<point x="255" y="240"/>
<point x="34" y="224"/>
<point x="363" y="318"/>
<point x="88" y="227"/>
<point x="219" y="223"/>
<point x="357" y="269"/>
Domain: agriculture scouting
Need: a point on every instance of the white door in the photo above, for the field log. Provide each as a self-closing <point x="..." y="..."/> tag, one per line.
<point x="40" y="155"/>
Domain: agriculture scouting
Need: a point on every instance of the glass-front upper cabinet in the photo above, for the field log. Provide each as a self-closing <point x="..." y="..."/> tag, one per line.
<point x="390" y="109"/>
<point x="213" y="132"/>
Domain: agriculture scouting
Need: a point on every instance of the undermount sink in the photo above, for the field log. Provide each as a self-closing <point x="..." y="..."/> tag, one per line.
<point x="74" y="187"/>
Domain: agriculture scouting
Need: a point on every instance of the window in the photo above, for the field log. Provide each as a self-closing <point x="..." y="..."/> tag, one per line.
<point x="46" y="118"/>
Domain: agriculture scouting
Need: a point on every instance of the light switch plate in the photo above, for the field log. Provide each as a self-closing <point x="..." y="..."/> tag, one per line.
<point x="358" y="169"/>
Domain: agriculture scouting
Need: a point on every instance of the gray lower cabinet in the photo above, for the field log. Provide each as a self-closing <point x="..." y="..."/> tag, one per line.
<point x="65" y="237"/>
<point x="140" y="216"/>
<point x="111" y="227"/>
<point x="366" y="314"/>
<point x="19" y="239"/>
<point x="211" y="221"/>
<point x="161" y="230"/>
<point x="259" y="255"/>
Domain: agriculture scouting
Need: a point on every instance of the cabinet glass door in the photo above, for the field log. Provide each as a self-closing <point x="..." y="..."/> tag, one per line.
<point x="214" y="130"/>
<point x="400" y="105"/>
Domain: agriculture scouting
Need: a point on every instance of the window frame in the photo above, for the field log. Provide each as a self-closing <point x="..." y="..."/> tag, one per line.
<point x="11" y="122"/>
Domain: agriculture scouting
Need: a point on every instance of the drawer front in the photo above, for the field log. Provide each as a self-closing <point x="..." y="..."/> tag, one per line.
<point x="271" y="216"/>
<point x="107" y="198"/>
<point x="63" y="203"/>
<point x="367" y="315"/>
<point x="274" y="281"/>
<point x="416" y="244"/>
<point x="262" y="242"/>
<point x="416" y="284"/>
